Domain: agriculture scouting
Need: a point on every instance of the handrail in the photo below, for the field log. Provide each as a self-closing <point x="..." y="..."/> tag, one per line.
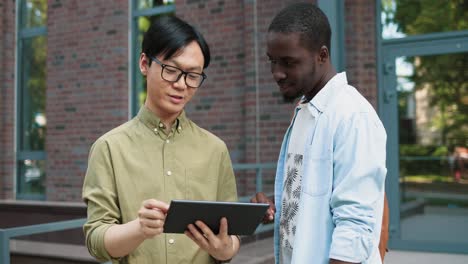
<point x="425" y="158"/>
<point x="259" y="167"/>
<point x="7" y="233"/>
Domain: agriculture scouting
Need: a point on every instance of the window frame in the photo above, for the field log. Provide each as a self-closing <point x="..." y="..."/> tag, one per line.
<point x="135" y="13"/>
<point x="22" y="35"/>
<point x="435" y="43"/>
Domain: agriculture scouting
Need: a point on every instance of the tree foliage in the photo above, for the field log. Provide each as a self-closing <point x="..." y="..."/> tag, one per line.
<point x="444" y="75"/>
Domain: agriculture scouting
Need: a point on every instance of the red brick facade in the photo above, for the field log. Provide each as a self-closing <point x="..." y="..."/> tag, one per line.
<point x="87" y="86"/>
<point x="88" y="93"/>
<point x="360" y="40"/>
<point x="7" y="98"/>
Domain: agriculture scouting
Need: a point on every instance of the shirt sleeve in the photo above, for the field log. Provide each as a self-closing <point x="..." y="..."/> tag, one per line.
<point x="99" y="193"/>
<point x="358" y="186"/>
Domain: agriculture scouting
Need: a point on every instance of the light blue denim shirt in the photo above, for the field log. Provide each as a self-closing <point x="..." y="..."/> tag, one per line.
<point x="341" y="206"/>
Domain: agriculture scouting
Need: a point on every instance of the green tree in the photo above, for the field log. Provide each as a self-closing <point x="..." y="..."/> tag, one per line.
<point x="144" y="23"/>
<point x="34" y="56"/>
<point x="445" y="75"/>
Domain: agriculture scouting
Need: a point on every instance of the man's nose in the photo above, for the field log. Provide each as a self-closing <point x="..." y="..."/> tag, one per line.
<point x="278" y="75"/>
<point x="180" y="84"/>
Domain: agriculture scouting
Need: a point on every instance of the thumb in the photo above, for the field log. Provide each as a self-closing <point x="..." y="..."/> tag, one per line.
<point x="223" y="227"/>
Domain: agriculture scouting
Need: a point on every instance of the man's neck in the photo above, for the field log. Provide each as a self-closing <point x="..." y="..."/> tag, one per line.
<point x="167" y="119"/>
<point x="326" y="77"/>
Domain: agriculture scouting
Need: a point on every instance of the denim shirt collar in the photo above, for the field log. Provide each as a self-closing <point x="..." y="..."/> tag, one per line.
<point x="325" y="95"/>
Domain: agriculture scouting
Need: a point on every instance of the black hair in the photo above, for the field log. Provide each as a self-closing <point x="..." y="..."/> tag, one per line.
<point x="306" y="19"/>
<point x="168" y="34"/>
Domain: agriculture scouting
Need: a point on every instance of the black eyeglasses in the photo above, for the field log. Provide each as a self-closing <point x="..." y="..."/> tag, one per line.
<point x="173" y="74"/>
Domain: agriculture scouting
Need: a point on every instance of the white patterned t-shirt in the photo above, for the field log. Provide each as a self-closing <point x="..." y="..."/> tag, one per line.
<point x="304" y="121"/>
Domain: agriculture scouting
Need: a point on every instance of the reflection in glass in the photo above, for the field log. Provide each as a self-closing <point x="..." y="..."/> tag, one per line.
<point x="34" y="13"/>
<point x="33" y="87"/>
<point x="31" y="180"/>
<point x="402" y="18"/>
<point x="145" y="4"/>
<point x="433" y="135"/>
<point x="144" y="23"/>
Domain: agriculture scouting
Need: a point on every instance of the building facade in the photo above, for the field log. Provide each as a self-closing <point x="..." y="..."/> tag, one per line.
<point x="68" y="74"/>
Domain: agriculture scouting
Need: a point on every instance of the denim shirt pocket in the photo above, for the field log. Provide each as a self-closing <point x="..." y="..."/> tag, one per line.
<point x="317" y="176"/>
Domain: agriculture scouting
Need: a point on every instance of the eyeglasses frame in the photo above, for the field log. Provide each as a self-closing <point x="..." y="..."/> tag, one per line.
<point x="182" y="72"/>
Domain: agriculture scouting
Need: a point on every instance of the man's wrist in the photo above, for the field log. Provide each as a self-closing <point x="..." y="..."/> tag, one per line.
<point x="234" y="248"/>
<point x="217" y="261"/>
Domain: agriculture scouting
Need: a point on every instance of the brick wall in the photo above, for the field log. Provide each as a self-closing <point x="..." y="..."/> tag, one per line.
<point x="361" y="55"/>
<point x="227" y="103"/>
<point x="7" y="100"/>
<point x="87" y="86"/>
<point x="218" y="104"/>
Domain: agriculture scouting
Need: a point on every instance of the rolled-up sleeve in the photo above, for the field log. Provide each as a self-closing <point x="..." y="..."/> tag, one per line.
<point x="358" y="186"/>
<point x="99" y="193"/>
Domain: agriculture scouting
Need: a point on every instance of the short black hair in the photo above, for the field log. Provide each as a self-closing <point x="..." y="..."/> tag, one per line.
<point x="306" y="19"/>
<point x="168" y="34"/>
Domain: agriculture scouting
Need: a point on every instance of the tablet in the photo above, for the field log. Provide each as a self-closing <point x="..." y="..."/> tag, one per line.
<point x="243" y="218"/>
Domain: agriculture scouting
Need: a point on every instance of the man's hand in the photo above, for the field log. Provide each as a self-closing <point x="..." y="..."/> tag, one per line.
<point x="221" y="246"/>
<point x="151" y="217"/>
<point x="121" y="240"/>
<point x="262" y="198"/>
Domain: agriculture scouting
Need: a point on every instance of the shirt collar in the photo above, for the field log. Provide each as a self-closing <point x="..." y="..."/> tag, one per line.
<point x="324" y="96"/>
<point x="152" y="121"/>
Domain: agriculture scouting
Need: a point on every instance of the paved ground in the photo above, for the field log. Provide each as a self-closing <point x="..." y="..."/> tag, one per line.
<point x="436" y="223"/>
<point x="261" y="252"/>
<point x="258" y="252"/>
<point x="408" y="257"/>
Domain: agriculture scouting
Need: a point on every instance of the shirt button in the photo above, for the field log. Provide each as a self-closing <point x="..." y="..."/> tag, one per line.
<point x="169" y="173"/>
<point x="167" y="141"/>
<point x="171" y="241"/>
<point x="161" y="125"/>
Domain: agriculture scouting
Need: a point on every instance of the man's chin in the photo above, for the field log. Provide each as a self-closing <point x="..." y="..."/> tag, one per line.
<point x="289" y="99"/>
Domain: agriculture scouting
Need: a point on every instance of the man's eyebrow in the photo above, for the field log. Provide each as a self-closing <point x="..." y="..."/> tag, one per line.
<point x="187" y="69"/>
<point x="283" y="58"/>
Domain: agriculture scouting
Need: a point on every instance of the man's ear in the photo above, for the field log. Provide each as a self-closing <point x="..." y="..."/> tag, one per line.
<point x="324" y="54"/>
<point x="143" y="63"/>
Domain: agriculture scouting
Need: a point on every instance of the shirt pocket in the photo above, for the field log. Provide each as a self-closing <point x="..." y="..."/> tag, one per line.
<point x="317" y="176"/>
<point x="202" y="184"/>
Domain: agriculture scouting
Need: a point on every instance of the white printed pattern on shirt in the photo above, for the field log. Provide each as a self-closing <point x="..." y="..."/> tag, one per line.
<point x="290" y="203"/>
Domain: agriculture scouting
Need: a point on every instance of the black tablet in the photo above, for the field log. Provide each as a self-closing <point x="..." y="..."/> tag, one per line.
<point x="243" y="218"/>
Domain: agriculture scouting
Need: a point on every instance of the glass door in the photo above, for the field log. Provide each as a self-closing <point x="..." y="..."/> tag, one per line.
<point x="425" y="110"/>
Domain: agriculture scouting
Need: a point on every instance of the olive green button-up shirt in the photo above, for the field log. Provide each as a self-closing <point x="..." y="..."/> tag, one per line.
<point x="138" y="161"/>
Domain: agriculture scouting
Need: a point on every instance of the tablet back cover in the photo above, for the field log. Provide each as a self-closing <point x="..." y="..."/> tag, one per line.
<point x="243" y="218"/>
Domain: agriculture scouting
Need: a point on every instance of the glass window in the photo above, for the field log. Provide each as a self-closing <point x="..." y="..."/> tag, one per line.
<point x="146" y="4"/>
<point x="31" y="85"/>
<point x="31" y="179"/>
<point x="401" y="18"/>
<point x="433" y="153"/>
<point x="145" y="11"/>
<point x="32" y="100"/>
<point x="34" y="13"/>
